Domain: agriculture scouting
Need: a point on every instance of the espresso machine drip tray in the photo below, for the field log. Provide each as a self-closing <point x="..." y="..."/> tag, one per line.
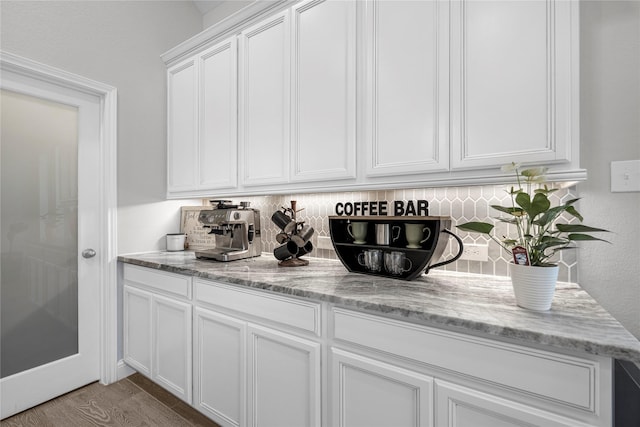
<point x="222" y="254"/>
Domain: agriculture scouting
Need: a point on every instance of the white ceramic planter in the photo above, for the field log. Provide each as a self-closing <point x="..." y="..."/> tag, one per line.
<point x="534" y="286"/>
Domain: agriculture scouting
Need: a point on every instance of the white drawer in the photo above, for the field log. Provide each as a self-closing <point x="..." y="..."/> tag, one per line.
<point x="167" y="283"/>
<point x="566" y="380"/>
<point x="292" y="312"/>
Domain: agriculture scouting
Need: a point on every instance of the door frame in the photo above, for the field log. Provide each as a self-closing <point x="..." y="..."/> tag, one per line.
<point x="108" y="264"/>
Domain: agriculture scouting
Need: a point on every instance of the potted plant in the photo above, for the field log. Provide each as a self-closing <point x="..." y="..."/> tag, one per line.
<point x="539" y="236"/>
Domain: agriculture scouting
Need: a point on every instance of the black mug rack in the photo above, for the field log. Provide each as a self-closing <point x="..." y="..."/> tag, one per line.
<point x="431" y="249"/>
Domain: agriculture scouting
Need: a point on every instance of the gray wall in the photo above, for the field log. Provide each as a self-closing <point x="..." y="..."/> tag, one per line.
<point x="226" y="9"/>
<point x="118" y="43"/>
<point x="610" y="130"/>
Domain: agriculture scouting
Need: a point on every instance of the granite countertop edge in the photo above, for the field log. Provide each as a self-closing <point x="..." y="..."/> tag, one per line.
<point x="628" y="348"/>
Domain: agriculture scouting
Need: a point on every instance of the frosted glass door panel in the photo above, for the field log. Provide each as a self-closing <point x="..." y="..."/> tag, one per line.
<point x="39" y="232"/>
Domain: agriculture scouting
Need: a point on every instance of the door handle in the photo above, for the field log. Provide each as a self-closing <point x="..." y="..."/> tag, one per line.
<point x="88" y="253"/>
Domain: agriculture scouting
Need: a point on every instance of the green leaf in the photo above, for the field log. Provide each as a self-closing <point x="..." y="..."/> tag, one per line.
<point x="523" y="200"/>
<point x="583" y="237"/>
<point x="507" y="220"/>
<point x="476" y="227"/>
<point x="571" y="202"/>
<point x="509" y="210"/>
<point x="550" y="215"/>
<point x="577" y="228"/>
<point x="571" y="210"/>
<point x="535" y="207"/>
<point x="548" y="241"/>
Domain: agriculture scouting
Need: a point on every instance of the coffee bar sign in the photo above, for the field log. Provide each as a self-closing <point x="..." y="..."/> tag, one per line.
<point x="383" y="208"/>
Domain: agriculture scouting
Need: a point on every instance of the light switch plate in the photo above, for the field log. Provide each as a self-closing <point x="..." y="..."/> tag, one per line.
<point x="625" y="176"/>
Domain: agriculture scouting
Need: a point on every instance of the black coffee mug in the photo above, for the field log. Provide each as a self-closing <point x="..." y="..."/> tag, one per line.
<point x="308" y="247"/>
<point x="286" y="250"/>
<point x="280" y="219"/>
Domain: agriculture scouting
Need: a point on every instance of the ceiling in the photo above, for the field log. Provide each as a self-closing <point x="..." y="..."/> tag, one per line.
<point x="205" y="6"/>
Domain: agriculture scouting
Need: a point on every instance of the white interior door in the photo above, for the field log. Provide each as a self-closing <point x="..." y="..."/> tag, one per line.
<point x="50" y="166"/>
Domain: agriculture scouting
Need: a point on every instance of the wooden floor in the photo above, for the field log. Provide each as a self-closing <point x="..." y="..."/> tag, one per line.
<point x="133" y="401"/>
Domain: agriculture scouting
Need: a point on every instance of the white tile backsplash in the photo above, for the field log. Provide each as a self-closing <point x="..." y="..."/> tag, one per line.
<point x="462" y="204"/>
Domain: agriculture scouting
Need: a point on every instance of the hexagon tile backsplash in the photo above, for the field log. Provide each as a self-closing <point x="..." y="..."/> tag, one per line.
<point x="462" y="204"/>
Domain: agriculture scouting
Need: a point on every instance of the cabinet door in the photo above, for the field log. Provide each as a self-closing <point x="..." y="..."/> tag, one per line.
<point x="514" y="75"/>
<point x="367" y="392"/>
<point x="218" y="116"/>
<point x="136" y="308"/>
<point x="264" y="102"/>
<point x="407" y="101"/>
<point x="182" y="126"/>
<point x="458" y="406"/>
<point x="323" y="90"/>
<point x="219" y="367"/>
<point x="171" y="365"/>
<point x="284" y="379"/>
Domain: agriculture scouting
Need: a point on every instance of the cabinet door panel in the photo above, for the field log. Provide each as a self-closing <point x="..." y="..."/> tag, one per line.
<point x="284" y="379"/>
<point x="172" y="346"/>
<point x="371" y="393"/>
<point x="458" y="406"/>
<point x="323" y="90"/>
<point x="408" y="97"/>
<point x="182" y="123"/>
<point x="264" y="102"/>
<point x="137" y="329"/>
<point x="511" y="82"/>
<point x="219" y="367"/>
<point x="218" y="135"/>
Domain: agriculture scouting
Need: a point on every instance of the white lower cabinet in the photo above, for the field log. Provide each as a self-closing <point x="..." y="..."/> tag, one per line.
<point x="250" y="374"/>
<point x="171" y="349"/>
<point x="264" y="359"/>
<point x="391" y="372"/>
<point x="137" y="329"/>
<point x="458" y="406"/>
<point x="219" y="367"/>
<point x="367" y="392"/>
<point x="157" y="339"/>
<point x="284" y="379"/>
<point x="157" y="328"/>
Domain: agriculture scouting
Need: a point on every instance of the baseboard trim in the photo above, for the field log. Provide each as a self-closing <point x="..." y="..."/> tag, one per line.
<point x="123" y="370"/>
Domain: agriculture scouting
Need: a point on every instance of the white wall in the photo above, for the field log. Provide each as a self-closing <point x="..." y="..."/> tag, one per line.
<point x="610" y="130"/>
<point x="118" y="43"/>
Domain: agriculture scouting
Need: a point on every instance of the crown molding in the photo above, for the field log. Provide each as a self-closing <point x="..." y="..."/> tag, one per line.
<point x="228" y="26"/>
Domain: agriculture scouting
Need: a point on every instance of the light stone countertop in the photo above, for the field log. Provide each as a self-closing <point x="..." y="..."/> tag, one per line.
<point x="479" y="304"/>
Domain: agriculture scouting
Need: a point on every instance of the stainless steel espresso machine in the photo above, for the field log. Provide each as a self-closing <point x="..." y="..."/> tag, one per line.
<point x="236" y="228"/>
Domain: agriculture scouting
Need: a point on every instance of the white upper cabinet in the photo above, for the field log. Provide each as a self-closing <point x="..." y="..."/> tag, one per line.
<point x="374" y="94"/>
<point x="202" y="121"/>
<point x="218" y="118"/>
<point x="264" y="105"/>
<point x="514" y="75"/>
<point x="323" y="90"/>
<point x="407" y="96"/>
<point x="182" y="126"/>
